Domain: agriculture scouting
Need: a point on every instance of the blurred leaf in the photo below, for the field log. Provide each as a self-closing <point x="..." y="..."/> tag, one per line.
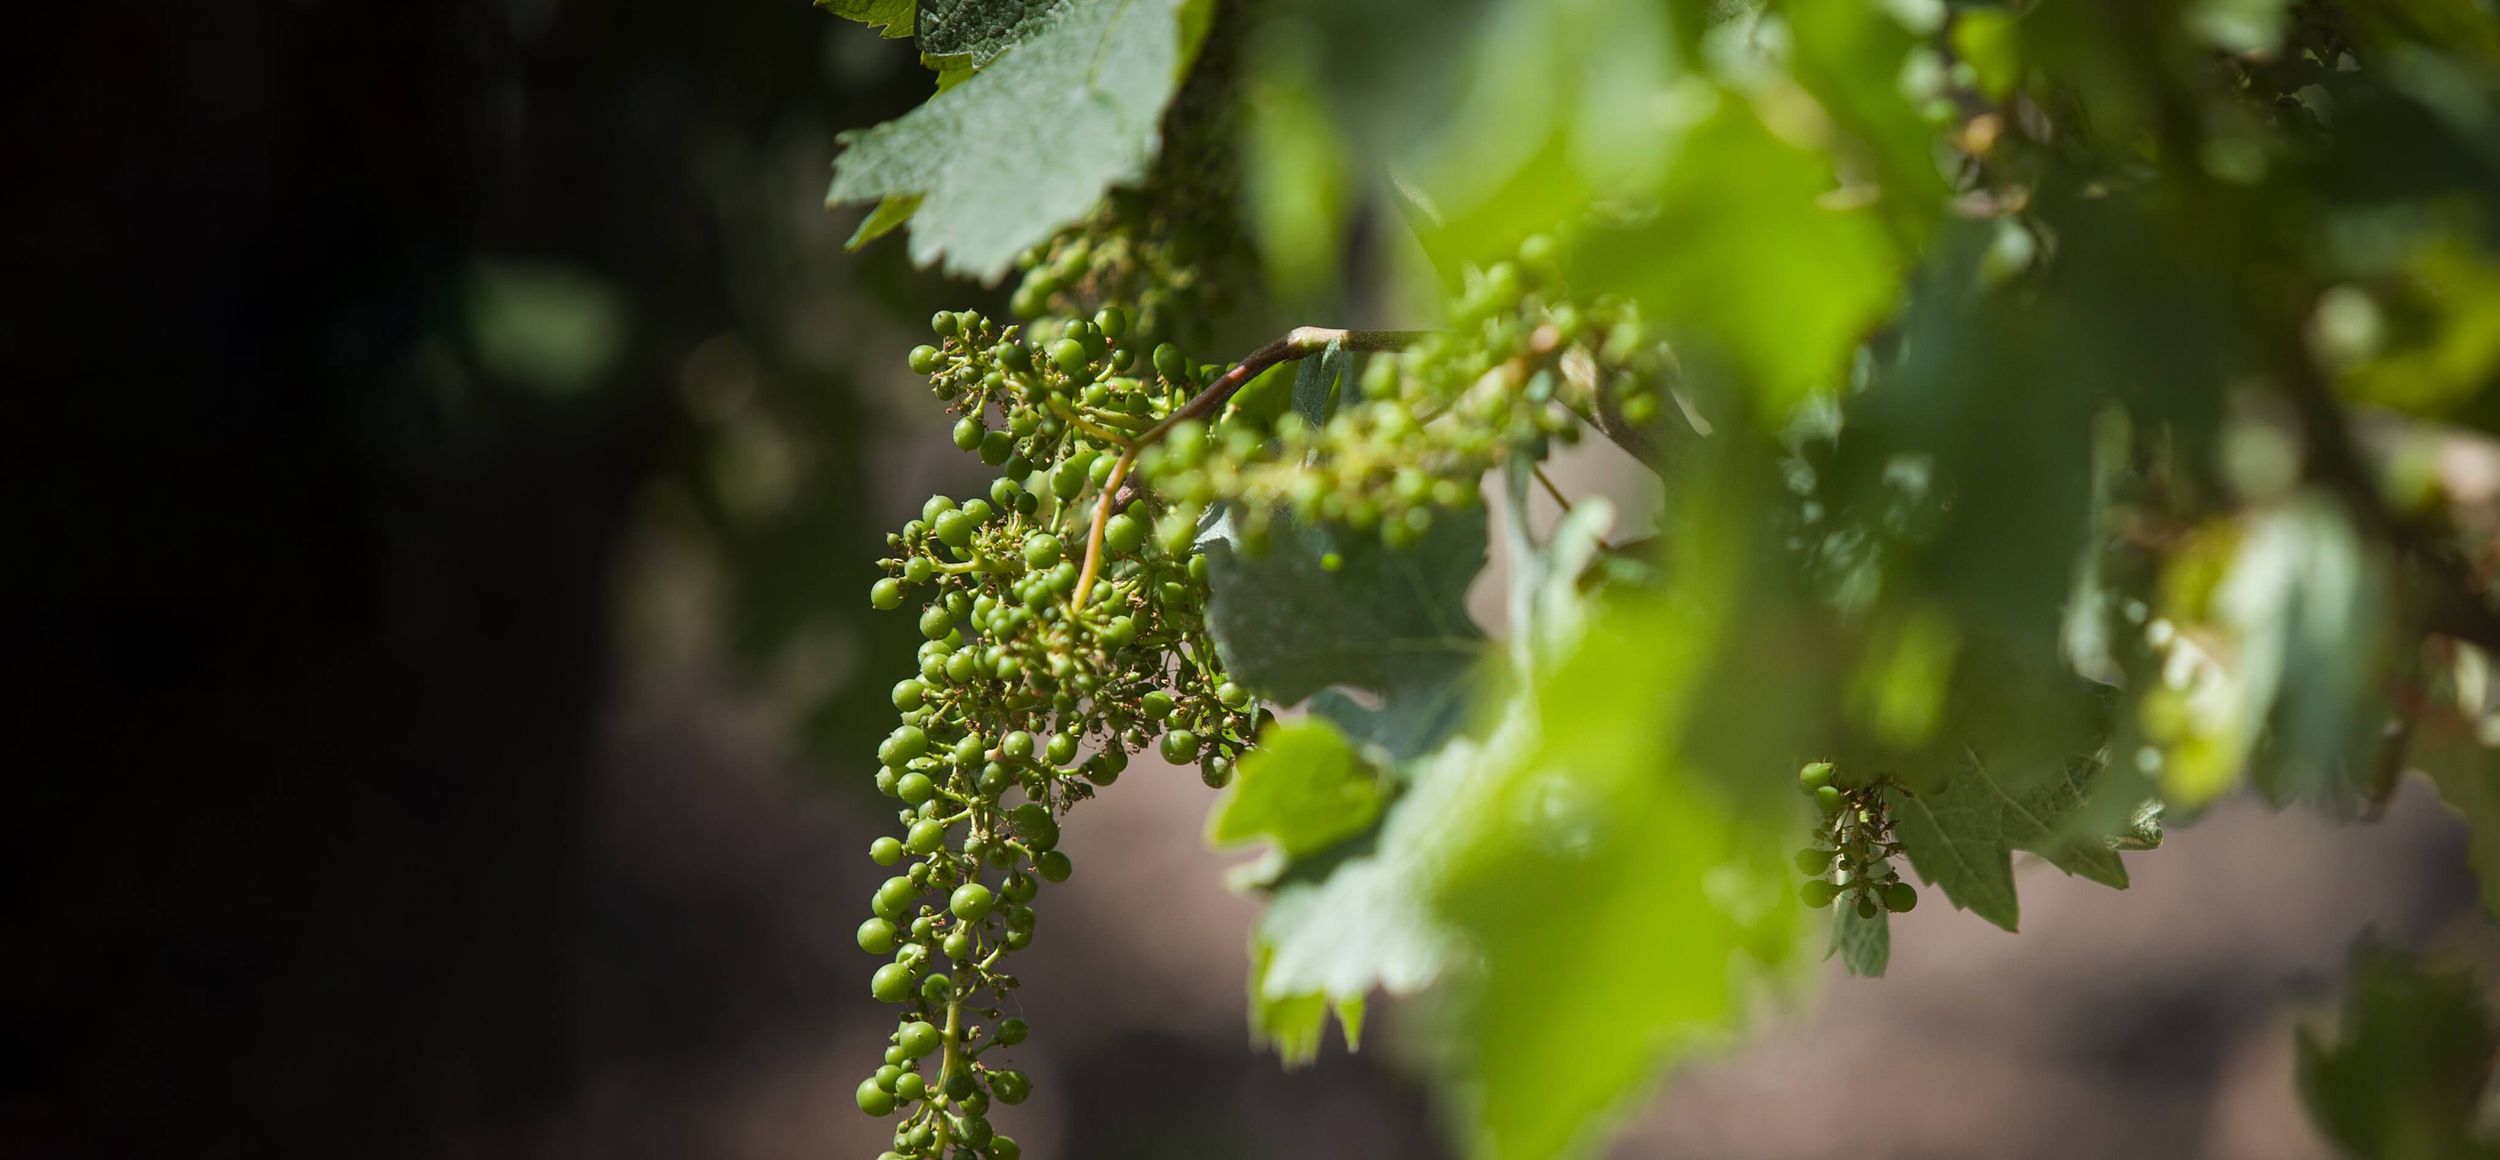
<point x="1393" y="623"/>
<point x="1962" y="838"/>
<point x="2406" y="1078"/>
<point x="1297" y="188"/>
<point x="1293" y="1025"/>
<point x="1030" y="143"/>
<point x="1593" y="865"/>
<point x="1857" y="59"/>
<point x="1741" y="255"/>
<point x="891" y="18"/>
<point x="1863" y="944"/>
<point x="1302" y="787"/>
<point x="552" y="328"/>
<point x="1986" y="40"/>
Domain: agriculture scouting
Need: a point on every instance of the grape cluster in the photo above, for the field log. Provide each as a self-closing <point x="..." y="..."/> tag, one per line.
<point x="1853" y="848"/>
<point x="1522" y="363"/>
<point x="1024" y="702"/>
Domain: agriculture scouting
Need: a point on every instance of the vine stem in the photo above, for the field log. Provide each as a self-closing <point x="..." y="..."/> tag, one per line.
<point x="946" y="1069"/>
<point x="1299" y="343"/>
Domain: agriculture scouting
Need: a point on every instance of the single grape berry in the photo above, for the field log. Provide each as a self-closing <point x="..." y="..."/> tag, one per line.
<point x="1053" y="866"/>
<point x="1899" y="897"/>
<point x="914" y="788"/>
<point x="997" y="447"/>
<point x="1811" y="861"/>
<point x="918" y="1038"/>
<point x="968" y="433"/>
<point x="1011" y="1032"/>
<point x="886" y="595"/>
<point x="909" y="1087"/>
<point x="876" y="936"/>
<point x="874" y="1100"/>
<point x="1112" y="321"/>
<point x="1121" y="534"/>
<point x="1041" y="550"/>
<point x="923" y="359"/>
<point x="926" y="836"/>
<point x="1005" y="1148"/>
<point x="1061" y="749"/>
<point x="885" y="851"/>
<point x="971" y="902"/>
<point x="1180" y="746"/>
<point x="1867" y="906"/>
<point x="943" y="323"/>
<point x="1818" y="893"/>
<point x="1829" y="799"/>
<point x="1814" y="776"/>
<point x="909" y="693"/>
<point x="1156" y="705"/>
<point x="935" y="623"/>
<point x="1068" y="355"/>
<point x="1017" y="746"/>
<point x="1009" y="1086"/>
<point x="891" y="983"/>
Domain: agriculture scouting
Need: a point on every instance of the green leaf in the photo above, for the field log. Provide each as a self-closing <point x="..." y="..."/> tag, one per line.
<point x="891" y="18"/>
<point x="1393" y="623"/>
<point x="1962" y="838"/>
<point x="2406" y="1077"/>
<point x="1030" y="143"/>
<point x="1293" y="1025"/>
<point x="1320" y="384"/>
<point x="1302" y="788"/>
<point x="889" y="215"/>
<point x="2469" y="783"/>
<point x="1622" y="908"/>
<point x="1863" y="944"/>
<point x="1742" y="256"/>
<point x="980" y="30"/>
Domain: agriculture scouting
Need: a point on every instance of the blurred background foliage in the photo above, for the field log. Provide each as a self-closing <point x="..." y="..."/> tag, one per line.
<point x="457" y="444"/>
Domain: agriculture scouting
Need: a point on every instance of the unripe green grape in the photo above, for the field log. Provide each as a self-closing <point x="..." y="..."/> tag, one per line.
<point x="874" y="1100"/>
<point x="1817" y="893"/>
<point x="885" y="782"/>
<point x="963" y="665"/>
<point x="923" y="359"/>
<point x="1112" y="320"/>
<point x="922" y="927"/>
<point x="886" y="594"/>
<point x="1121" y="534"/>
<point x="995" y="778"/>
<point x="935" y="623"/>
<point x="1829" y="799"/>
<point x="1867" y="906"/>
<point x="909" y="1087"/>
<point x="891" y="983"/>
<point x="914" y="788"/>
<point x="910" y="741"/>
<point x="1061" y="749"/>
<point x="1068" y="355"/>
<point x="1041" y="550"/>
<point x="957" y="945"/>
<point x="1032" y="820"/>
<point x="1011" y="1031"/>
<point x="919" y="874"/>
<point x="1068" y="479"/>
<point x="1120" y="632"/>
<point x="1899" y="897"/>
<point x="885" y="1077"/>
<point x="1015" y="356"/>
<point x="919" y="570"/>
<point x="876" y="936"/>
<point x="935" y="988"/>
<point x="1171" y="364"/>
<point x="1005" y="1148"/>
<point x="1180" y="747"/>
<point x="953" y="529"/>
<point x="968" y="750"/>
<point x="943" y="323"/>
<point x="1053" y="866"/>
<point x="895" y="896"/>
<point x="972" y="1130"/>
<point x="1017" y="746"/>
<point x="927" y="835"/>
<point x="885" y="851"/>
<point x="997" y="447"/>
<point x="1101" y="772"/>
<point x="918" y="1038"/>
<point x="1813" y="861"/>
<point x="968" y="433"/>
<point x="1216" y="772"/>
<point x="1156" y="705"/>
<point x="909" y="693"/>
<point x="971" y="902"/>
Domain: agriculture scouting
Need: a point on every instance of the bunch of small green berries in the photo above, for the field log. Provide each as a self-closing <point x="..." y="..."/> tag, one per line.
<point x="1523" y="363"/>
<point x="1853" y="849"/>
<point x="1024" y="703"/>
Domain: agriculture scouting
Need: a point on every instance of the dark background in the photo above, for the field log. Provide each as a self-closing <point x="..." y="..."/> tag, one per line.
<point x="431" y="746"/>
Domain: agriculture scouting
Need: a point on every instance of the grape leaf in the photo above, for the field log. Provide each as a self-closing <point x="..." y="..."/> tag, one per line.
<point x="888" y="217"/>
<point x="979" y="30"/>
<point x="1592" y="863"/>
<point x="1029" y="143"/>
<point x="891" y="18"/>
<point x="2407" y="1076"/>
<point x="1764" y="274"/>
<point x="1863" y="944"/>
<point x="2469" y="783"/>
<point x="1961" y="838"/>
<point x="1302" y="787"/>
<point x="1393" y="623"/>
<point x="1293" y="1024"/>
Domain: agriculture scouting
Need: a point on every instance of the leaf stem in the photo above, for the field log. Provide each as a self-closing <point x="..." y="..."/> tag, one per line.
<point x="1299" y="343"/>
